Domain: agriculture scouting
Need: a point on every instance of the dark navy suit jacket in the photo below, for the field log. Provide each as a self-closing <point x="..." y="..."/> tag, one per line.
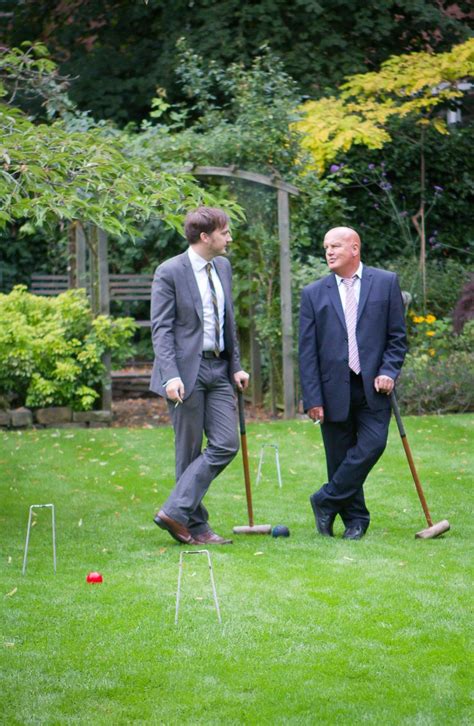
<point x="323" y="352"/>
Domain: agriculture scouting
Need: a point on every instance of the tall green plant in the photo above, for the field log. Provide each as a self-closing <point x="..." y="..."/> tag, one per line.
<point x="51" y="349"/>
<point x="413" y="85"/>
<point x="59" y="172"/>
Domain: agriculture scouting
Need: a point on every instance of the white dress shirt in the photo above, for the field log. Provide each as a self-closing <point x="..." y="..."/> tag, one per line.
<point x="356" y="286"/>
<point x="198" y="264"/>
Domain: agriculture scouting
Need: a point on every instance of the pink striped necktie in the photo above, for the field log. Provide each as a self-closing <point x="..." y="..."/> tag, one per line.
<point x="350" y="313"/>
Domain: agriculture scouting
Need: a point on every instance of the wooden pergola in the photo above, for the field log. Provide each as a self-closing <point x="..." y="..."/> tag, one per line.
<point x="99" y="270"/>
<point x="284" y="189"/>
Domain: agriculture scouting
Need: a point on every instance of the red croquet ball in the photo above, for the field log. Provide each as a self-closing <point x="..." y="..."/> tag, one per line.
<point x="94" y="577"/>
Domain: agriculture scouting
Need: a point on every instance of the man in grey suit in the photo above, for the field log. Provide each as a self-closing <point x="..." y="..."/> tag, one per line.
<point x="196" y="368"/>
<point x="352" y="346"/>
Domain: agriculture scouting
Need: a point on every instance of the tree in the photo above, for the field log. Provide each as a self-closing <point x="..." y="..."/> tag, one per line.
<point x="53" y="172"/>
<point x="412" y="86"/>
<point x="120" y="51"/>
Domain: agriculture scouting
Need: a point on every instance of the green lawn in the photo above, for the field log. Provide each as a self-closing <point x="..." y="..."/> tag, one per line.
<point x="313" y="630"/>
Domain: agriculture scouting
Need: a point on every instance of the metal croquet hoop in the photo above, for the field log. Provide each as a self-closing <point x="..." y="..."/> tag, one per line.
<point x="211" y="574"/>
<point x="53" y="523"/>
<point x="277" y="462"/>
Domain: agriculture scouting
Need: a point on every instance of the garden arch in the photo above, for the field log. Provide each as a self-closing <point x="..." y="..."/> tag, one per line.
<point x="100" y="288"/>
<point x="284" y="189"/>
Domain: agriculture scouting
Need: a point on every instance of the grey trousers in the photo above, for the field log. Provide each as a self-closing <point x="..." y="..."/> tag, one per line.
<point x="211" y="409"/>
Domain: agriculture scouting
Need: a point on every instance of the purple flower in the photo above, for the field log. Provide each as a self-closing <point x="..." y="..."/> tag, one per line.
<point x="371" y="167"/>
<point x="438" y="190"/>
<point x="403" y="214"/>
<point x="386" y="186"/>
<point x="365" y="181"/>
<point x="334" y="168"/>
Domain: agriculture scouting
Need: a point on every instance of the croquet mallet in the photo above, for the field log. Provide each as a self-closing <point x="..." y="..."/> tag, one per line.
<point x="251" y="528"/>
<point x="433" y="530"/>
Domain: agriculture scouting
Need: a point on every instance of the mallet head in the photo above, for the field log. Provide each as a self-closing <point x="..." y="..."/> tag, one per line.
<point x="435" y="531"/>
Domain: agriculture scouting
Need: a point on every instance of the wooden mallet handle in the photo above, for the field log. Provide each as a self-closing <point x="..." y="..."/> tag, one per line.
<point x="411" y="463"/>
<point x="245" y="456"/>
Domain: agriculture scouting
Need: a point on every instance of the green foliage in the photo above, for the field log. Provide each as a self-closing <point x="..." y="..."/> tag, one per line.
<point x="412" y="85"/>
<point x="383" y="190"/>
<point x="63" y="172"/>
<point x="119" y="52"/>
<point x="29" y="77"/>
<point x="440" y="384"/>
<point x="445" y="281"/>
<point x="51" y="174"/>
<point x="51" y="348"/>
<point x="437" y="376"/>
<point x="239" y="116"/>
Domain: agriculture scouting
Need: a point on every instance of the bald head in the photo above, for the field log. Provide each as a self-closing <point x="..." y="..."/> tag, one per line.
<point x="342" y="248"/>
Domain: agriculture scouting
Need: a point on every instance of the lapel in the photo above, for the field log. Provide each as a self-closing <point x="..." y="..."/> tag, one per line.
<point x="192" y="284"/>
<point x="335" y="298"/>
<point x="365" y="285"/>
<point x="224" y="278"/>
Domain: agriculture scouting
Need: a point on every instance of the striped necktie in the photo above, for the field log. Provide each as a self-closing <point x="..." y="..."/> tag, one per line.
<point x="217" y="327"/>
<point x="350" y="313"/>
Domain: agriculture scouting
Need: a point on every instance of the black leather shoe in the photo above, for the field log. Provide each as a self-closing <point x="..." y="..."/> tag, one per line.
<point x="177" y="530"/>
<point x="355" y="532"/>
<point x="324" y="520"/>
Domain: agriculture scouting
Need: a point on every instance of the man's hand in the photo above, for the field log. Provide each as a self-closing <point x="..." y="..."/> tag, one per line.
<point x="175" y="390"/>
<point x="241" y="380"/>
<point x="384" y="384"/>
<point x="316" y="414"/>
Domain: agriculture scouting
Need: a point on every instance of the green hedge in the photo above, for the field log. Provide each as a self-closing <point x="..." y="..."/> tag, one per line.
<point x="51" y="349"/>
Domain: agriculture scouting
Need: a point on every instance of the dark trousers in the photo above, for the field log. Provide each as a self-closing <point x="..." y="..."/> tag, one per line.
<point x="210" y="410"/>
<point x="352" y="448"/>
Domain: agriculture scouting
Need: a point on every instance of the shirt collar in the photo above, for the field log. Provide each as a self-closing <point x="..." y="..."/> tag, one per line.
<point x="197" y="262"/>
<point x="357" y="273"/>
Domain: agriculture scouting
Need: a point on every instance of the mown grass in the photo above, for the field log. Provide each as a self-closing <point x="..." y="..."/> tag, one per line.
<point x="314" y="631"/>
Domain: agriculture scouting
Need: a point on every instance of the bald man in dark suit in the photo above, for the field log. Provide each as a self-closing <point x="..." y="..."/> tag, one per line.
<point x="352" y="345"/>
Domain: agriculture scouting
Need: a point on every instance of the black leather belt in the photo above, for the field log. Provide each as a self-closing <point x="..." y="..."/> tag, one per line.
<point x="210" y="354"/>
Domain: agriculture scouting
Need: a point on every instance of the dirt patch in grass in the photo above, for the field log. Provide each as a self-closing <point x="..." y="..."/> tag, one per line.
<point x="152" y="411"/>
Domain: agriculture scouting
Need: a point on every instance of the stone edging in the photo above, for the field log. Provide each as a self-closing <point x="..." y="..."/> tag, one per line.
<point x="53" y="417"/>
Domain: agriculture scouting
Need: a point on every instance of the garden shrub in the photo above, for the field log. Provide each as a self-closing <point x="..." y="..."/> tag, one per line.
<point x="438" y="376"/>
<point x="444" y="385"/>
<point x="445" y="280"/>
<point x="51" y="348"/>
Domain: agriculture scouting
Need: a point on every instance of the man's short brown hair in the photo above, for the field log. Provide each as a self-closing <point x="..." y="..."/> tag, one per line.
<point x="203" y="219"/>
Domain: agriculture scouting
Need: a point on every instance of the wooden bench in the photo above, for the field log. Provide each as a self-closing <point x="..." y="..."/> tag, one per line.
<point x="127" y="288"/>
<point x="131" y="288"/>
<point x="48" y="284"/>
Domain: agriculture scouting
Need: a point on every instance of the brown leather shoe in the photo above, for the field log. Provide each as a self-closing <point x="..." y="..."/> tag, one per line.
<point x="177" y="530"/>
<point x="211" y="537"/>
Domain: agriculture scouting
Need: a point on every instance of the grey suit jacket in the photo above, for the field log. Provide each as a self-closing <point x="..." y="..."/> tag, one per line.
<point x="177" y="323"/>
